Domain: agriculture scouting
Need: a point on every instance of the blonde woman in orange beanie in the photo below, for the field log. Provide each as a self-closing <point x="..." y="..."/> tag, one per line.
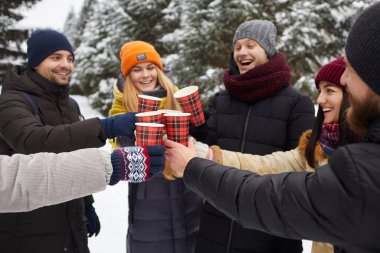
<point x="163" y="214"/>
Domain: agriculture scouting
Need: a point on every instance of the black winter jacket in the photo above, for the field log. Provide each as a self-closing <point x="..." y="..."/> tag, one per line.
<point x="261" y="127"/>
<point x="339" y="203"/>
<point x="58" y="228"/>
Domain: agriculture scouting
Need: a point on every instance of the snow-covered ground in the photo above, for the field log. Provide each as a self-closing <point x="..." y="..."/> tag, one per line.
<point x="112" y="207"/>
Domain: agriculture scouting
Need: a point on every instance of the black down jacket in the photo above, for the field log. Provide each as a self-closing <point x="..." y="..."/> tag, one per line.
<point x="58" y="228"/>
<point x="339" y="203"/>
<point x="261" y="127"/>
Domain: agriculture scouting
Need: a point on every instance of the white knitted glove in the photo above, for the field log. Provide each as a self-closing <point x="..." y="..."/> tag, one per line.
<point x="203" y="150"/>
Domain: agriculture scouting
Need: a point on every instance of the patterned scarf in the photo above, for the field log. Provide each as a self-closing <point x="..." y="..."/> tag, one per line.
<point x="260" y="82"/>
<point x="329" y="137"/>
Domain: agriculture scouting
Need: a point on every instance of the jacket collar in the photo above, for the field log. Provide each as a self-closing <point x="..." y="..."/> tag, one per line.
<point x="47" y="85"/>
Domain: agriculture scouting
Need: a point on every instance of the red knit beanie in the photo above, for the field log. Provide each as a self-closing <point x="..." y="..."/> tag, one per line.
<point x="136" y="52"/>
<point x="331" y="72"/>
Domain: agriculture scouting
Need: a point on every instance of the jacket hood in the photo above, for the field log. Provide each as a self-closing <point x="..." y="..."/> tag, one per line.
<point x="22" y="79"/>
<point x="319" y="154"/>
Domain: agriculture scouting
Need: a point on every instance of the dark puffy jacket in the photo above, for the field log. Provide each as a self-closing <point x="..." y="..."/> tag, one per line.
<point x="164" y="217"/>
<point x="262" y="127"/>
<point x="339" y="203"/>
<point x="58" y="228"/>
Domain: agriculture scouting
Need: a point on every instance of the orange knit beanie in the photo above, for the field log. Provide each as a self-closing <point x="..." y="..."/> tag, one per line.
<point x="135" y="52"/>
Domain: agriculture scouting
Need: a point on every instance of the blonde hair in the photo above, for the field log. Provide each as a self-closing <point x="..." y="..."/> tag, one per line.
<point x="131" y="92"/>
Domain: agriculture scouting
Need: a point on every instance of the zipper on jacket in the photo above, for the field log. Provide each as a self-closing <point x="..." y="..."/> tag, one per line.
<point x="245" y="129"/>
<point x="241" y="151"/>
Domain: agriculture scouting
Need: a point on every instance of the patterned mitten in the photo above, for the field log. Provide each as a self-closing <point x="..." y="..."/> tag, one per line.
<point x="137" y="164"/>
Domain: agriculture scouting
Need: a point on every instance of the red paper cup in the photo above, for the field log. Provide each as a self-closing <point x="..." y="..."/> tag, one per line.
<point x="150" y="117"/>
<point x="188" y="99"/>
<point x="165" y="111"/>
<point x="148" y="103"/>
<point x="177" y="127"/>
<point x="148" y="134"/>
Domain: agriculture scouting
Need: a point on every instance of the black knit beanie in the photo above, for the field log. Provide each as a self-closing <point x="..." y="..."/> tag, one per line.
<point x="44" y="42"/>
<point x="362" y="47"/>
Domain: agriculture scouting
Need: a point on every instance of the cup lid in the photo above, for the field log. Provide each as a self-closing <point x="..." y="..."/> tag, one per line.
<point x="150" y="113"/>
<point x="149" y="124"/>
<point x="168" y="111"/>
<point x="176" y="114"/>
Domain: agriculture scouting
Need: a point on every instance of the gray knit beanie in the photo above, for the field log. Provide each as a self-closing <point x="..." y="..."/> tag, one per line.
<point x="262" y="31"/>
<point x="362" y="47"/>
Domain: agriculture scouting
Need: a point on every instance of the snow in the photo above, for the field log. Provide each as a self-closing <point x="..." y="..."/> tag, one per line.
<point x="48" y="14"/>
<point x="111" y="206"/>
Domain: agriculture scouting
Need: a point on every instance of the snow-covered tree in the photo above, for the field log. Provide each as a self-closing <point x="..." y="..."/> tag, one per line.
<point x="313" y="32"/>
<point x="150" y="20"/>
<point x="70" y="28"/>
<point x="113" y="23"/>
<point x="194" y="38"/>
<point x="11" y="38"/>
<point x="310" y="33"/>
<point x="97" y="56"/>
<point x="205" y="40"/>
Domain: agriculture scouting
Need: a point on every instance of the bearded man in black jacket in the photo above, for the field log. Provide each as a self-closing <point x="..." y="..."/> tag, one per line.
<point x="258" y="113"/>
<point x="339" y="203"/>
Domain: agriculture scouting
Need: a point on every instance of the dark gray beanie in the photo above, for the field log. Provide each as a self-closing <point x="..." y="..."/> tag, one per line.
<point x="44" y="42"/>
<point x="262" y="31"/>
<point x="363" y="49"/>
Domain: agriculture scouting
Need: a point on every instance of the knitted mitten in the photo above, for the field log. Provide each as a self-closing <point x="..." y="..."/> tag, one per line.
<point x="137" y="164"/>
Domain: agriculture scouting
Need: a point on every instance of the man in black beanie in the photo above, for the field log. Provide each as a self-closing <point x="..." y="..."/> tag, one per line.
<point x="339" y="203"/>
<point x="37" y="115"/>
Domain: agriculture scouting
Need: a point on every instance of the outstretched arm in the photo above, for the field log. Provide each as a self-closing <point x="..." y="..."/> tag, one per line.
<point x="28" y="182"/>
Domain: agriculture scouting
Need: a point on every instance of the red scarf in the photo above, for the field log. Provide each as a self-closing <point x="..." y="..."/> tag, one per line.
<point x="260" y="82"/>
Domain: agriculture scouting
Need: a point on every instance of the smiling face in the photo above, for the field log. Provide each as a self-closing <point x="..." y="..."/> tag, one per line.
<point x="144" y="76"/>
<point x="248" y="54"/>
<point x="57" y="67"/>
<point x="330" y="100"/>
<point x="364" y="103"/>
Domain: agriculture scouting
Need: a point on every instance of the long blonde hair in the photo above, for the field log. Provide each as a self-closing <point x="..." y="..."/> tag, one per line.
<point x="131" y="92"/>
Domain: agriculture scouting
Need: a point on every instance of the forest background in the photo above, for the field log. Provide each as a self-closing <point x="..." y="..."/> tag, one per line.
<point x="193" y="37"/>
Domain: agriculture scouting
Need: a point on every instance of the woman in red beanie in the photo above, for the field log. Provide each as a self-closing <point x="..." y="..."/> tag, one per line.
<point x="315" y="146"/>
<point x="163" y="214"/>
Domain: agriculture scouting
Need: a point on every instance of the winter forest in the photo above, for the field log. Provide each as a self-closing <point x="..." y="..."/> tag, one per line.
<point x="193" y="37"/>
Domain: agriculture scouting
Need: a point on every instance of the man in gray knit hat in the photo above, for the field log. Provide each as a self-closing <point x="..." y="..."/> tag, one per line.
<point x="262" y="31"/>
<point x="258" y="113"/>
<point x="339" y="203"/>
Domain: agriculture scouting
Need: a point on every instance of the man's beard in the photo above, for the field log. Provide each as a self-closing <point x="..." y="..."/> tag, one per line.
<point x="360" y="114"/>
<point x="60" y="81"/>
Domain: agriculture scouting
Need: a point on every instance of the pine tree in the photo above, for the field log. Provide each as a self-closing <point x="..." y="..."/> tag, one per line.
<point x="113" y="23"/>
<point x="310" y="32"/>
<point x="204" y="39"/>
<point x="97" y="56"/>
<point x="313" y="32"/>
<point x="70" y="28"/>
<point x="151" y="20"/>
<point x="11" y="38"/>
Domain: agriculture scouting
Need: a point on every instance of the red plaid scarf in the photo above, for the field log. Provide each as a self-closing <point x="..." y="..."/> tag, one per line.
<point x="329" y="137"/>
<point x="260" y="82"/>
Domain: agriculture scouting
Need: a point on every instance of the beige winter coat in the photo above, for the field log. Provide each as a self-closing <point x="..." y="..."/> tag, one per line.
<point x="277" y="162"/>
<point x="29" y="182"/>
